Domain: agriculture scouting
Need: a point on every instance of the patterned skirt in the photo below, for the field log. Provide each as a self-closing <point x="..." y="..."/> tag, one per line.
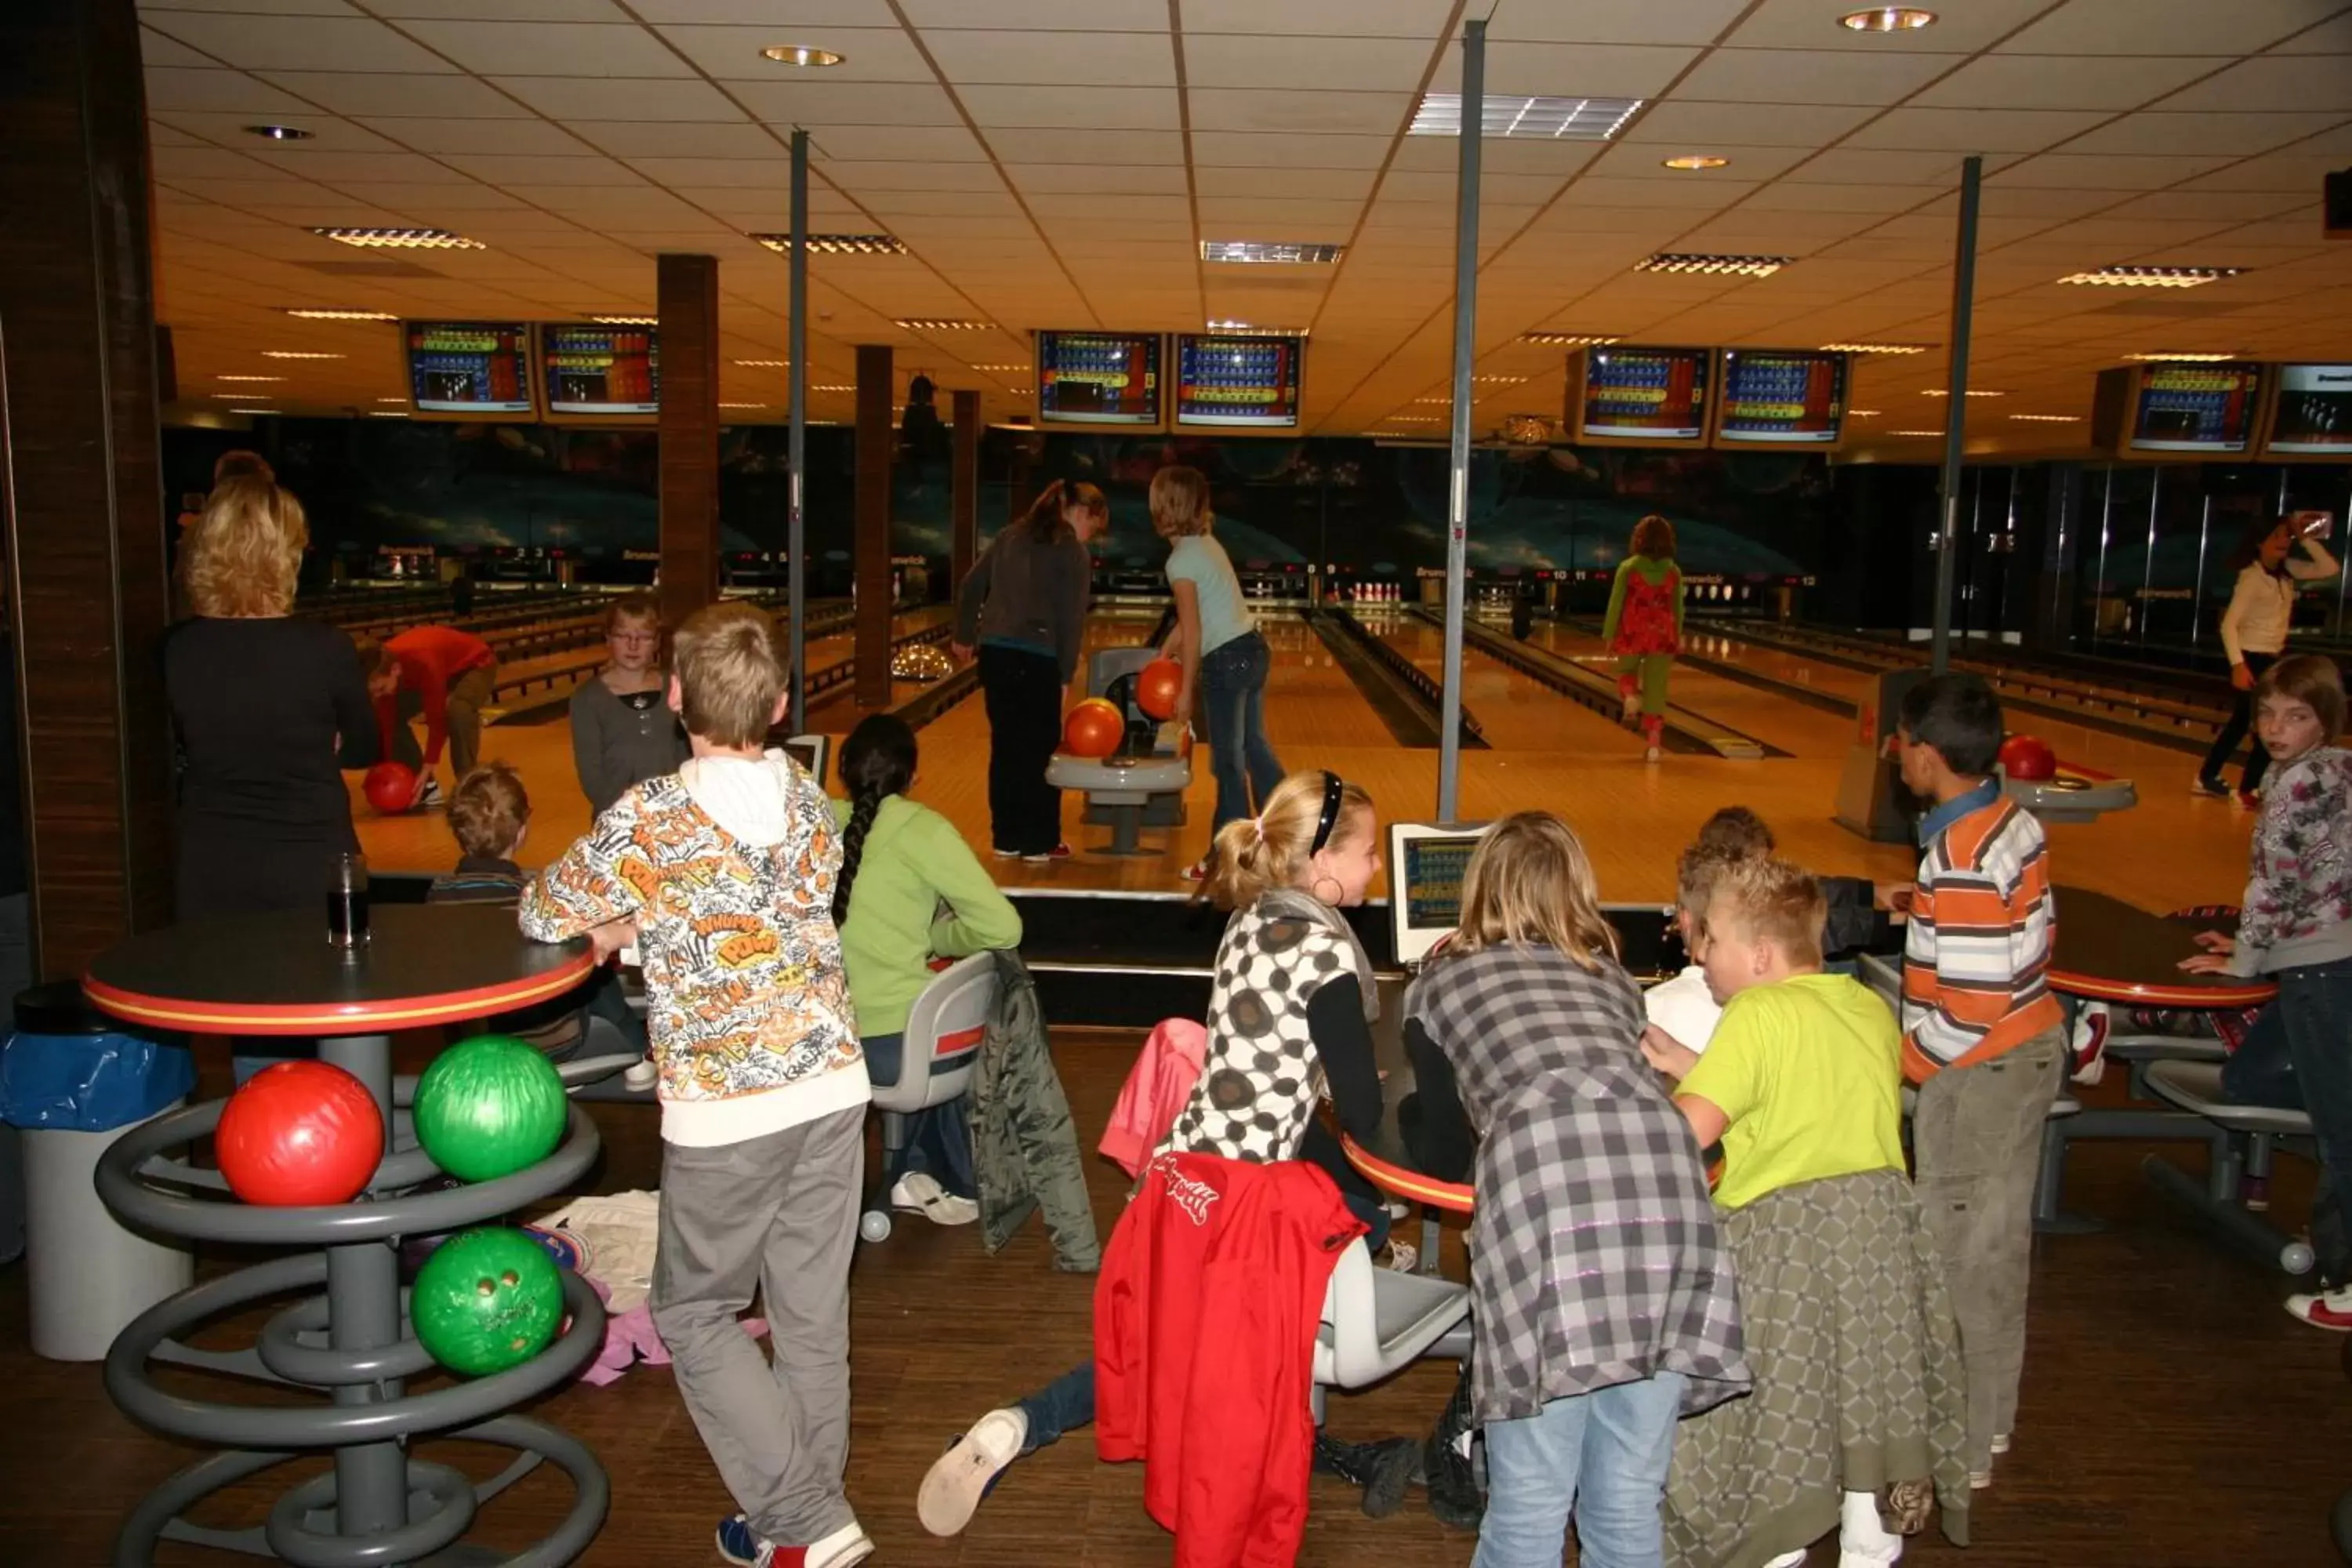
<point x="1859" y="1385"/>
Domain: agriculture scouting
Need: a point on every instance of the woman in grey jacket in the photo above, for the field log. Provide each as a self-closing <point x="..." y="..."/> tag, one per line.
<point x="1023" y="606"/>
<point x="623" y="728"/>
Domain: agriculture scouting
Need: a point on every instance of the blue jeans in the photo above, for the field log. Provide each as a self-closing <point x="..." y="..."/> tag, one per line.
<point x="2314" y="1004"/>
<point x="938" y="1140"/>
<point x="1065" y="1402"/>
<point x="2260" y="1071"/>
<point x="1602" y="1456"/>
<point x="1232" y="686"/>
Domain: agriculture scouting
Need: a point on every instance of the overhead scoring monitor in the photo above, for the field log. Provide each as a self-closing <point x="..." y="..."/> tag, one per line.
<point x="1636" y="393"/>
<point x="1427" y="861"/>
<point x="474" y="368"/>
<point x="1780" y="397"/>
<point x="2312" y="414"/>
<point x="1098" y="378"/>
<point x="592" y="369"/>
<point x="2177" y="408"/>
<point x="1237" y="381"/>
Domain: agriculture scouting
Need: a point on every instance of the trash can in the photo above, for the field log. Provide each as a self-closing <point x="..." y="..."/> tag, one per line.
<point x="72" y="1082"/>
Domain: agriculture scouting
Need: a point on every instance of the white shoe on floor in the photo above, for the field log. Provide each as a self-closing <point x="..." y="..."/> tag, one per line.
<point x="918" y="1192"/>
<point x="2001" y="1442"/>
<point x="1788" y="1560"/>
<point x="1864" y="1540"/>
<point x="641" y="1075"/>
<point x="954" y="1485"/>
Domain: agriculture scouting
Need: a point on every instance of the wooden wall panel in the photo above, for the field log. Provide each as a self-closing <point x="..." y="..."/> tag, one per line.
<point x="85" y="514"/>
<point x="877" y="442"/>
<point x="687" y="294"/>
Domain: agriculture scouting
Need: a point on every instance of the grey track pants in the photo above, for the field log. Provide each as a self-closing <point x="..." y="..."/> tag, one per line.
<point x="779" y="1212"/>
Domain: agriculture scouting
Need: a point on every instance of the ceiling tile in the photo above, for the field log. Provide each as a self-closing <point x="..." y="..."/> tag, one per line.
<point x="2230" y="206"/>
<point x="1700" y="125"/>
<point x="1107" y="147"/>
<point x="921" y="174"/>
<point x="1784" y="195"/>
<point x="1646" y="160"/>
<point x="1612" y="21"/>
<point x="452" y="198"/>
<point x="502" y="10"/>
<point x="2059" y="81"/>
<point x="529" y="49"/>
<point x="207" y="163"/>
<point x="2161" y="27"/>
<point x="1793" y="76"/>
<point x="1242" y="150"/>
<point x="359" y="173"/>
<point x="1059" y="15"/>
<point x="1697" y="196"/>
<point x="1139" y="178"/>
<point x="2297" y="172"/>
<point x="171" y="88"/>
<point x="392" y="96"/>
<point x="967" y="56"/>
<point x="536" y="137"/>
<point x="2113" y="172"/>
<point x="892" y="205"/>
<point x="621" y="98"/>
<point x="2236" y="135"/>
<point x="644" y="140"/>
<point x="899" y="143"/>
<point x="1613" y="70"/>
<point x="1290" y="214"/>
<point x="2302" y="82"/>
<point x="819" y="104"/>
<point x="869" y="54"/>
<point x="1860" y="165"/>
<point x="1975" y="129"/>
<point x="229" y="129"/>
<point x="254" y="7"/>
<point x="1388" y="65"/>
<point x="2333" y="37"/>
<point x="1321" y="18"/>
<point x="1354" y="113"/>
<point x="160" y="49"/>
<point x="1113" y="208"/>
<point x="298" y="43"/>
<point x="1072" y="108"/>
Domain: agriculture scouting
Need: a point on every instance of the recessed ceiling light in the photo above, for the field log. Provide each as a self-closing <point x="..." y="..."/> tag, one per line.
<point x="833" y="387"/>
<point x="1972" y="391"/>
<point x="1876" y="348"/>
<point x="233" y="396"/>
<point x="1002" y="369"/>
<point x="1914" y="432"/>
<point x="1433" y="400"/>
<point x="387" y="413"/>
<point x="1411" y="419"/>
<point x="800" y="55"/>
<point x="838" y="243"/>
<point x="308" y="314"/>
<point x="1569" y="340"/>
<point x="391" y="400"/>
<point x="742" y="405"/>
<point x="1695" y="161"/>
<point x="1887" y="19"/>
<point x="939" y="324"/>
<point x="764" y="363"/>
<point x="626" y="320"/>
<point x="253" y="411"/>
<point x="1720" y="266"/>
<point x="400" y="239"/>
<point x="1862" y="412"/>
<point x="1551" y="118"/>
<point x="280" y="133"/>
<point x="245" y="378"/>
<point x="1246" y="330"/>
<point x="2049" y="418"/>
<point x="295" y="354"/>
<point x="2183" y="359"/>
<point x="2152" y="276"/>
<point x="1278" y="252"/>
<point x="1497" y="380"/>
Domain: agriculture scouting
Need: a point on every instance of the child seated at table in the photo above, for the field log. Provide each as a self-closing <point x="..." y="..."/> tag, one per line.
<point x="2295" y="922"/>
<point x="911" y="888"/>
<point x="1842" y="1301"/>
<point x="490" y="815"/>
<point x="723" y="873"/>
<point x="1603" y="1307"/>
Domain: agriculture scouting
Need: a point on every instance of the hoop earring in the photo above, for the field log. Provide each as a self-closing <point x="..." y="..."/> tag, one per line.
<point x="1316" y="888"/>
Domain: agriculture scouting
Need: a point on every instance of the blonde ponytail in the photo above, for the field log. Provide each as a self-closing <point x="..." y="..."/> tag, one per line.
<point x="1255" y="853"/>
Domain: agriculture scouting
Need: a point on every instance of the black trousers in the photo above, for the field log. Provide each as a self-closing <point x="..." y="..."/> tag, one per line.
<point x="1024" y="692"/>
<point x="2242" y="718"/>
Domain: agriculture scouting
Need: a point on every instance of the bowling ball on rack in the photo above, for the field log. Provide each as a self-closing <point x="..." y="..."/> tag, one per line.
<point x="1157" y="687"/>
<point x="1094" y="729"/>
<point x="300" y="1133"/>
<point x="486" y="1300"/>
<point x="2029" y="759"/>
<point x="390" y="787"/>
<point x="489" y="1107"/>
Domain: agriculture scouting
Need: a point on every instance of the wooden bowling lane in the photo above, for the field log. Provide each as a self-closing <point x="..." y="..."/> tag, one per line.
<point x="1794" y="727"/>
<point x="1312" y="702"/>
<point x="1517" y="713"/>
<point x="837" y="711"/>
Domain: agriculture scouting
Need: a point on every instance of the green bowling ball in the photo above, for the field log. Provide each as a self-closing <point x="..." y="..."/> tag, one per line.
<point x="486" y="1300"/>
<point x="489" y="1107"/>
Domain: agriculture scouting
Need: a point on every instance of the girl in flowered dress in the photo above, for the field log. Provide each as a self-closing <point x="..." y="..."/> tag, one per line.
<point x="1645" y="629"/>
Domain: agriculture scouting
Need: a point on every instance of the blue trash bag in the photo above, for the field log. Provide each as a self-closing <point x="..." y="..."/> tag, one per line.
<point x="89" y="1083"/>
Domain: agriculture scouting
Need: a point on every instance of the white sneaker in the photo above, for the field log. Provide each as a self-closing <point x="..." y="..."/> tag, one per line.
<point x="2001" y="1442"/>
<point x="1788" y="1560"/>
<point x="1864" y="1540"/>
<point x="641" y="1075"/>
<point x="2325" y="1310"/>
<point x="953" y="1487"/>
<point x="918" y="1192"/>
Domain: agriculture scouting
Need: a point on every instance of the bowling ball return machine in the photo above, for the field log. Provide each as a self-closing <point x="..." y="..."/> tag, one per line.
<point x="1142" y="783"/>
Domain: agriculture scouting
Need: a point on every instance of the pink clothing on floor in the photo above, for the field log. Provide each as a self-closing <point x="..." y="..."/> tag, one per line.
<point x="1157" y="1087"/>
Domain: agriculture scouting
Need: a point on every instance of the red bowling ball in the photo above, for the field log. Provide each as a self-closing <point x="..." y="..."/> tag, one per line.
<point x="1157" y="687"/>
<point x="299" y="1133"/>
<point x="1094" y="729"/>
<point x="2029" y="759"/>
<point x="390" y="787"/>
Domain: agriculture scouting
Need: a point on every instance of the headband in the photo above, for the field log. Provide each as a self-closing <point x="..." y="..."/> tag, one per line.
<point x="1329" y="817"/>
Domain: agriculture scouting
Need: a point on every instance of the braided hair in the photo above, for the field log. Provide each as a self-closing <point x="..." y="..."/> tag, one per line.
<point x="877" y="762"/>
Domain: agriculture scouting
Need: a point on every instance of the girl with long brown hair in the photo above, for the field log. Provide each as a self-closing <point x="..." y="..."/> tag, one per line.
<point x="1644" y="625"/>
<point x="1024" y="608"/>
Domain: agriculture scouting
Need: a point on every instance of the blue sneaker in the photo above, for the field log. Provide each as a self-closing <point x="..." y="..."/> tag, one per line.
<point x="741" y="1546"/>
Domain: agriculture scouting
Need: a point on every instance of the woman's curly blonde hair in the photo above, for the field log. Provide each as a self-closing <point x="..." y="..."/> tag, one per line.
<point x="244" y="551"/>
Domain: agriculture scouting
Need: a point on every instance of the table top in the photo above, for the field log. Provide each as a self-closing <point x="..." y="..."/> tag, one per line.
<point x="1384" y="1160"/>
<point x="2116" y="952"/>
<point x="275" y="974"/>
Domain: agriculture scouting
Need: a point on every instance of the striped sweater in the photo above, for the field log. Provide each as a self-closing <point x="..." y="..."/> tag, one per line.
<point x="1976" y="960"/>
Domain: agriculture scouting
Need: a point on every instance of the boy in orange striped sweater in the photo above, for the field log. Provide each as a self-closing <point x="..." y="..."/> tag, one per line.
<point x="1982" y="1036"/>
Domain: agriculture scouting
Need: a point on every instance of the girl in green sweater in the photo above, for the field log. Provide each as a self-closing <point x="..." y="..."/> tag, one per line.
<point x="1645" y="629"/>
<point x="911" y="888"/>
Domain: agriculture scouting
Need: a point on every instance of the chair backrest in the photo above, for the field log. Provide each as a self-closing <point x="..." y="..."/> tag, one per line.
<point x="944" y="1030"/>
<point x="1351" y="1335"/>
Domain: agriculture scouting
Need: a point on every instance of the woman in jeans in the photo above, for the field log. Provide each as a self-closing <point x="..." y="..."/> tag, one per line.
<point x="1025" y="607"/>
<point x="1217" y="642"/>
<point x="2253" y="634"/>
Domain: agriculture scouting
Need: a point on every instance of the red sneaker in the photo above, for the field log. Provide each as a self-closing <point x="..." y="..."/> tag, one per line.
<point x="1048" y="858"/>
<point x="2327" y="1310"/>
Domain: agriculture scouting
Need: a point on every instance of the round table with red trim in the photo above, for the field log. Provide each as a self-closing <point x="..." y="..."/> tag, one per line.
<point x="2109" y="950"/>
<point x="275" y="974"/>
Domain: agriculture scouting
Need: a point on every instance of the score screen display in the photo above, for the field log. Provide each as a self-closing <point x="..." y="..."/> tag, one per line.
<point x="1098" y="378"/>
<point x="2195" y="408"/>
<point x="600" y="370"/>
<point x="1237" y="381"/>
<point x="469" y="367"/>
<point x="1637" y="393"/>
<point x="1433" y="869"/>
<point x="2314" y="410"/>
<point x="1782" y="397"/>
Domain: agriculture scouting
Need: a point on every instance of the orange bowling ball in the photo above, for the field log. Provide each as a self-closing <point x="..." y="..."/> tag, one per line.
<point x="2028" y="758"/>
<point x="1094" y="729"/>
<point x="390" y="787"/>
<point x="1157" y="687"/>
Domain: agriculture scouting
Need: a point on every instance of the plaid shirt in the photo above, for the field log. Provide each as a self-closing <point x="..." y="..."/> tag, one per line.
<point x="1594" y="1258"/>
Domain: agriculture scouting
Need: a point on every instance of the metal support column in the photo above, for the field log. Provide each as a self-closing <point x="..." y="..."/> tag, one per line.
<point x="1466" y="321"/>
<point x="796" y="485"/>
<point x="1956" y="404"/>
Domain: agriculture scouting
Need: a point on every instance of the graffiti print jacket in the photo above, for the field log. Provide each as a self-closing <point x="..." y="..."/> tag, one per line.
<point x="727" y="867"/>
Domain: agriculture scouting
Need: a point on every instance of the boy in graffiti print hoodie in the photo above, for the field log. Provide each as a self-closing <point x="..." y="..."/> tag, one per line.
<point x="724" y="872"/>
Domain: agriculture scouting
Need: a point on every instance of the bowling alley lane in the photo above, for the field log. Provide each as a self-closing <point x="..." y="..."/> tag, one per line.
<point x="1518" y="714"/>
<point x="1794" y="727"/>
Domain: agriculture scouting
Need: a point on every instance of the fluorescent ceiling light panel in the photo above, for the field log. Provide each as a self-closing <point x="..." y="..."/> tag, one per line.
<point x="1271" y="252"/>
<point x="295" y="354"/>
<point x="2152" y="276"/>
<point x="940" y="325"/>
<point x="1569" y="340"/>
<point x="1876" y="348"/>
<point x="245" y="378"/>
<point x="838" y="243"/>
<point x="1527" y="119"/>
<point x="401" y="238"/>
<point x="1717" y="266"/>
<point x="1244" y="329"/>
<point x="2184" y="359"/>
<point x="2049" y="418"/>
<point x="626" y="320"/>
<point x="764" y="363"/>
<point x="308" y="314"/>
